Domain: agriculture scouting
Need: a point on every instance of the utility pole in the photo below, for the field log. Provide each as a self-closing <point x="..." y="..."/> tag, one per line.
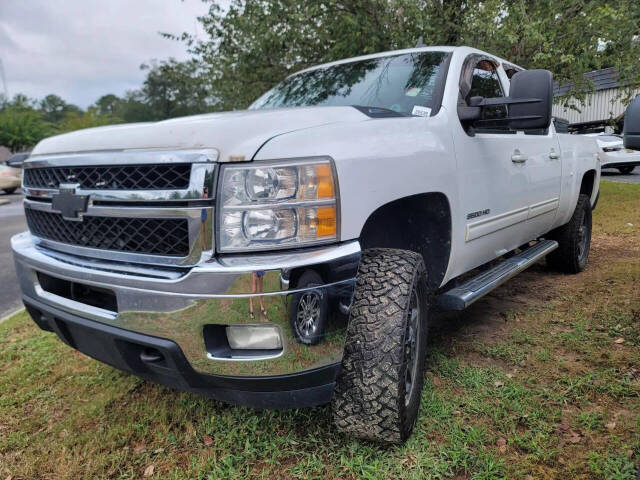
<point x="4" y="81"/>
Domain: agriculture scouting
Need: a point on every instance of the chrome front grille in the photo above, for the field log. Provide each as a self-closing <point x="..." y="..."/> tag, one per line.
<point x="117" y="177"/>
<point x="155" y="236"/>
<point x="145" y="207"/>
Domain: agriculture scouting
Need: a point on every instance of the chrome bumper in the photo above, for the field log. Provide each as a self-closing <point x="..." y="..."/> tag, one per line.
<point x="177" y="304"/>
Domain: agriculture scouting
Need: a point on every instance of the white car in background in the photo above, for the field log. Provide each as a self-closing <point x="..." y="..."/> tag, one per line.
<point x="10" y="178"/>
<point x="614" y="155"/>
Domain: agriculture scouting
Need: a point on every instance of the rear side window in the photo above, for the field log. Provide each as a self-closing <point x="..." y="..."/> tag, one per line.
<point x="510" y="70"/>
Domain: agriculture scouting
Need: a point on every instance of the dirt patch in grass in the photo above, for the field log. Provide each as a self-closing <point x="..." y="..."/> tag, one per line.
<point x="540" y="379"/>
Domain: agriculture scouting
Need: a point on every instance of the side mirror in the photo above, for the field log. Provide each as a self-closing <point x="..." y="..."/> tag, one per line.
<point x="17" y="160"/>
<point x="472" y="111"/>
<point x="532" y="115"/>
<point x="530" y="101"/>
<point x="14" y="163"/>
<point x="631" y="131"/>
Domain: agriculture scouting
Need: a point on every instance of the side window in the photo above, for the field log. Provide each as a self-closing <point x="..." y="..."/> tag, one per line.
<point x="486" y="83"/>
<point x="562" y="125"/>
<point x="510" y="70"/>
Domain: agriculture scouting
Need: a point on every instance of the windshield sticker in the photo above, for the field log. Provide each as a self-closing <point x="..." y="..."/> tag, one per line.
<point x="413" y="92"/>
<point x="421" y="111"/>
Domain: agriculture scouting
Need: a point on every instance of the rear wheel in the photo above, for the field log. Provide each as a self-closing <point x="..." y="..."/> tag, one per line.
<point x="574" y="240"/>
<point x="9" y="191"/>
<point x="625" y="170"/>
<point x="378" y="390"/>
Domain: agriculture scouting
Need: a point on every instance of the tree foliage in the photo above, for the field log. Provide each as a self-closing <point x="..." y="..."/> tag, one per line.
<point x="54" y="108"/>
<point x="171" y="89"/>
<point x="21" y="128"/>
<point x="251" y="45"/>
<point x="174" y="89"/>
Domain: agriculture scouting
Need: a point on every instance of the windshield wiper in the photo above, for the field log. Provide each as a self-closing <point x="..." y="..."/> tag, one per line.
<point x="379" y="112"/>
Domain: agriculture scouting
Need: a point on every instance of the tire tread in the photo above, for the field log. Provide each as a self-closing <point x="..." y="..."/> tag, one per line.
<point x="367" y="401"/>
<point x="565" y="257"/>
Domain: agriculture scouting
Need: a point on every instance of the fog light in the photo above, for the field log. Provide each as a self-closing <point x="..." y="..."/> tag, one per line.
<point x="253" y="337"/>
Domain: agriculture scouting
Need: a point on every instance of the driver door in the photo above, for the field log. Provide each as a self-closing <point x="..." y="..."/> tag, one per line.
<point x="493" y="183"/>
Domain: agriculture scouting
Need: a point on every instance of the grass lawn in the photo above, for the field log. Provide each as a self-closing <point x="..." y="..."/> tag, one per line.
<point x="540" y="379"/>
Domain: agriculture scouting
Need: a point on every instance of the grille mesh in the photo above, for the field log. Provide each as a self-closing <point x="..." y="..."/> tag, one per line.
<point x="157" y="236"/>
<point x="119" y="177"/>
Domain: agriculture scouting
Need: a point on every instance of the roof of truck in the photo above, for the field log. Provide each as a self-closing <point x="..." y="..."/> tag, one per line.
<point x="389" y="53"/>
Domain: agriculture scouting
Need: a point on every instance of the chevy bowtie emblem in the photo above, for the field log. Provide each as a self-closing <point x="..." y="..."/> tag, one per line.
<point x="67" y="203"/>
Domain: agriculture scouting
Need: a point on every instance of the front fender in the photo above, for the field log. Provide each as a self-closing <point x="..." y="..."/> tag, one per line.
<point x="377" y="161"/>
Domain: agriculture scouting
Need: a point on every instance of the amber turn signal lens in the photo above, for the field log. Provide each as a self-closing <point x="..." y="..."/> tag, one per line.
<point x="325" y="181"/>
<point x="326" y="221"/>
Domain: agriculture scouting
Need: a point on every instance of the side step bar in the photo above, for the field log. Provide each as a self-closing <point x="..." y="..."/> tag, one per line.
<point x="460" y="297"/>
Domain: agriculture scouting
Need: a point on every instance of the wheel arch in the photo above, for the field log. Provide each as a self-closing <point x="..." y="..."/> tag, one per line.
<point x="588" y="183"/>
<point x="420" y="223"/>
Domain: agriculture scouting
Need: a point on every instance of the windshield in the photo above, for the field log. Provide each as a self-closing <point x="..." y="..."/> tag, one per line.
<point x="402" y="83"/>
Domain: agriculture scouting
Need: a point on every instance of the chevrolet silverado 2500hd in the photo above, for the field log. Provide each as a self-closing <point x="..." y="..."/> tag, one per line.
<point x="287" y="255"/>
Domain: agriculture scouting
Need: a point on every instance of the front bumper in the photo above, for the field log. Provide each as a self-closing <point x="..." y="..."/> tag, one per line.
<point x="619" y="159"/>
<point x="181" y="313"/>
<point x="622" y="164"/>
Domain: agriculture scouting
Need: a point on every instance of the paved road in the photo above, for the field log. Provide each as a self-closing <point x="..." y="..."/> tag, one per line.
<point x="615" y="176"/>
<point x="11" y="222"/>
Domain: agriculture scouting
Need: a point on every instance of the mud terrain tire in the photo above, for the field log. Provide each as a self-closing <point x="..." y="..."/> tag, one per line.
<point x="574" y="240"/>
<point x="378" y="390"/>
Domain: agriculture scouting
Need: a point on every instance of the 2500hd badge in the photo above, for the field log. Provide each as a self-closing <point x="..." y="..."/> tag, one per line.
<point x="479" y="213"/>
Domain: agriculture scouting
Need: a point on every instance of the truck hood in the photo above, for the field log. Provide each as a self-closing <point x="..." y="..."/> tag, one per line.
<point x="238" y="133"/>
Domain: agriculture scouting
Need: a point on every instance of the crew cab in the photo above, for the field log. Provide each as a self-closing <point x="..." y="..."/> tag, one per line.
<point x="289" y="255"/>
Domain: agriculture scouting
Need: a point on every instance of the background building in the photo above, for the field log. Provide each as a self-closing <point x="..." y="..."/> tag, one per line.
<point x="603" y="108"/>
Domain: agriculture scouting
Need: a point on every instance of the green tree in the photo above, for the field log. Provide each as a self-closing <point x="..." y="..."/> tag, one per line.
<point x="21" y="128"/>
<point x="568" y="37"/>
<point x="19" y="102"/>
<point x="55" y="108"/>
<point x="251" y="45"/>
<point x="108" y="104"/>
<point x="91" y="118"/>
<point x="173" y="89"/>
<point x="133" y="108"/>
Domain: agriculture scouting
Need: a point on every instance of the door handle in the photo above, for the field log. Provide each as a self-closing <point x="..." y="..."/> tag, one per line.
<point x="553" y="155"/>
<point x="517" y="157"/>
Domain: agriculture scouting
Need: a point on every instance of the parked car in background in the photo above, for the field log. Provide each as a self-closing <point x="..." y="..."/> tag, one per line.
<point x="17" y="159"/>
<point x="10" y="178"/>
<point x="11" y="174"/>
<point x="614" y="155"/>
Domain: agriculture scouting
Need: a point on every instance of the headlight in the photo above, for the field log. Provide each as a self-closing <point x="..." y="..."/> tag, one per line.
<point x="284" y="204"/>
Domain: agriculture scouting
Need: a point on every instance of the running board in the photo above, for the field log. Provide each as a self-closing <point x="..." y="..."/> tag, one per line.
<point x="460" y="297"/>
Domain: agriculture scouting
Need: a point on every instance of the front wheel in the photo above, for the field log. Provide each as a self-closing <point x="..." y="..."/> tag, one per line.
<point x="378" y="390"/>
<point x="574" y="240"/>
<point x="309" y="309"/>
<point x="625" y="170"/>
<point x="9" y="191"/>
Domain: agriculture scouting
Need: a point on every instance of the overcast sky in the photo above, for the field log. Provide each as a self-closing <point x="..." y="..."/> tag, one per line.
<point x="83" y="49"/>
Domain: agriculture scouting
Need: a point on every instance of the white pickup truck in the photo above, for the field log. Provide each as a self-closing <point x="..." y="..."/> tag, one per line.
<point x="288" y="255"/>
